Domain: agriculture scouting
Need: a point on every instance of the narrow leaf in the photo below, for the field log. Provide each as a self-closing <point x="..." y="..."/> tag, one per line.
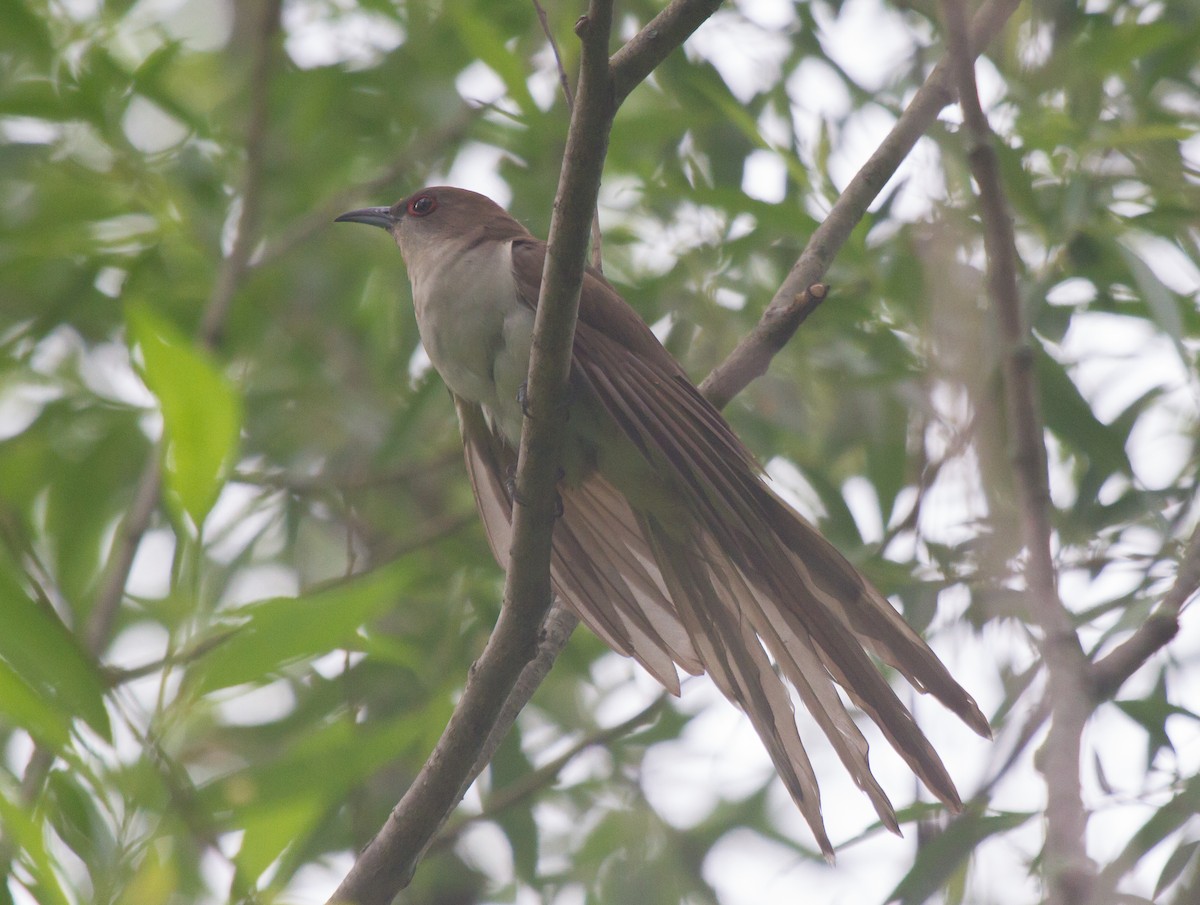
<point x="284" y="630"/>
<point x="200" y="408"/>
<point x="43" y="656"/>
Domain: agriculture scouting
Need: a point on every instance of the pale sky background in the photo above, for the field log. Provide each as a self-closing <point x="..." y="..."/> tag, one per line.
<point x="719" y="753"/>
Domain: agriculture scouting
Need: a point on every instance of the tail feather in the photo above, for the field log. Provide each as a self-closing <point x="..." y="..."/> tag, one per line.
<point x="734" y="657"/>
<point x="875" y="623"/>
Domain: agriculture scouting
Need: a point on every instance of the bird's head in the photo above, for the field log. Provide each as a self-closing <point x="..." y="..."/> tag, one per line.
<point x="438" y="216"/>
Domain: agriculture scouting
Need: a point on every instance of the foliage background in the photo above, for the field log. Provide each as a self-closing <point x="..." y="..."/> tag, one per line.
<point x="232" y="713"/>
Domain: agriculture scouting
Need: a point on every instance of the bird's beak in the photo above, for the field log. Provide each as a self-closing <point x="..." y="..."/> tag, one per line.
<point x="372" y="216"/>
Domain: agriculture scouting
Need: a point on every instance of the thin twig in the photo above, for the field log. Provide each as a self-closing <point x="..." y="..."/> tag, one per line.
<point x="737" y="371"/>
<point x="120" y="559"/>
<point x="546" y="774"/>
<point x="565" y="83"/>
<point x="331" y="482"/>
<point x="1111" y="671"/>
<point x="655" y="42"/>
<point x="233" y="268"/>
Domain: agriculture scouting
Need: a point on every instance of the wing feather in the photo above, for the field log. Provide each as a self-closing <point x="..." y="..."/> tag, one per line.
<point x="738" y="569"/>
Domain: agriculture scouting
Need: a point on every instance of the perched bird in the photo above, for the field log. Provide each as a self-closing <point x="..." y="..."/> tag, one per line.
<point x="669" y="546"/>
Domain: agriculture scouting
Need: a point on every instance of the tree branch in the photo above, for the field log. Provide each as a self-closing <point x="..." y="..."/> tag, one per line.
<point x="783" y="316"/>
<point x="565" y="84"/>
<point x="1070" y="870"/>
<point x="246" y="234"/>
<point x="1110" y="672"/>
<point x="388" y="862"/>
<point x="654" y="43"/>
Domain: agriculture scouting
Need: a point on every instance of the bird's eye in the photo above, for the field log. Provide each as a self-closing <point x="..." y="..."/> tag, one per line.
<point x="422" y="205"/>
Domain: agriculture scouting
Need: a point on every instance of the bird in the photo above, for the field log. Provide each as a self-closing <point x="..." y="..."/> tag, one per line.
<point x="668" y="542"/>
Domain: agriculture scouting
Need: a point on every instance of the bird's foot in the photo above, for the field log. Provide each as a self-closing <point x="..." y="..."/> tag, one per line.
<point x="523" y="401"/>
<point x="510" y="487"/>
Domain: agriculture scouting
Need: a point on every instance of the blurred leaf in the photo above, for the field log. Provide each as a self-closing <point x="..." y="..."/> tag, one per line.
<point x="44" y="657"/>
<point x="276" y="632"/>
<point x="1183" y="856"/>
<point x="23" y="828"/>
<point x="1158" y="298"/>
<point x="1179" y="811"/>
<point x="510" y="765"/>
<point x="268" y="830"/>
<point x="31" y="711"/>
<point x="200" y="408"/>
<point x="1152" y="713"/>
<point x="155" y="882"/>
<point x="949" y="852"/>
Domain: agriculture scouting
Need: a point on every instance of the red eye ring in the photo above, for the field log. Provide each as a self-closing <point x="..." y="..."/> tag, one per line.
<point x="422" y="205"/>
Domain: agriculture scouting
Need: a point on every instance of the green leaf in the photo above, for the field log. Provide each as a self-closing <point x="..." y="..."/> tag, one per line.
<point x="283" y="630"/>
<point x="267" y="831"/>
<point x="23" y="829"/>
<point x="279" y="805"/>
<point x="31" y="711"/>
<point x="938" y="861"/>
<point x="1161" y="301"/>
<point x="200" y="408"/>
<point x="487" y="43"/>
<point x="1176" y="813"/>
<point x="46" y="658"/>
<point x="1152" y="713"/>
<point x="510" y="766"/>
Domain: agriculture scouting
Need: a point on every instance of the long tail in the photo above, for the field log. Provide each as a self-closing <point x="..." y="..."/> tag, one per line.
<point x="713" y="595"/>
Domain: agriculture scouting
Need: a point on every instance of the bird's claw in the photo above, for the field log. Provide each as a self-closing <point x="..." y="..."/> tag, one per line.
<point x="510" y="487"/>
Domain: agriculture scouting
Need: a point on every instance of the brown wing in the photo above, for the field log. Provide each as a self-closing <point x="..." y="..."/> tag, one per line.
<point x="601" y="564"/>
<point x="748" y="569"/>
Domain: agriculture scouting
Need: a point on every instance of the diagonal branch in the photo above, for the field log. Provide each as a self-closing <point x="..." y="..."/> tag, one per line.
<point x="784" y="315"/>
<point x="654" y="43"/>
<point x="1111" y="671"/>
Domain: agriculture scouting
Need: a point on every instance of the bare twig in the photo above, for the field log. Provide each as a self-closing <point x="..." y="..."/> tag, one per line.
<point x="1111" y="671"/>
<point x="565" y="83"/>
<point x="233" y="267"/>
<point x="654" y="43"/>
<point x="737" y="371"/>
<point x="556" y="631"/>
<point x="545" y="775"/>
<point x="1070" y="871"/>
<point x="348" y="480"/>
<point x="116" y="570"/>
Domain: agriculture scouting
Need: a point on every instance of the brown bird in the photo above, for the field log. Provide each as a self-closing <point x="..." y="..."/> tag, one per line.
<point x="670" y="546"/>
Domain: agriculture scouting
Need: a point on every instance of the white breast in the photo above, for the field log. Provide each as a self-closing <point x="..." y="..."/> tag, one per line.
<point x="473" y="327"/>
